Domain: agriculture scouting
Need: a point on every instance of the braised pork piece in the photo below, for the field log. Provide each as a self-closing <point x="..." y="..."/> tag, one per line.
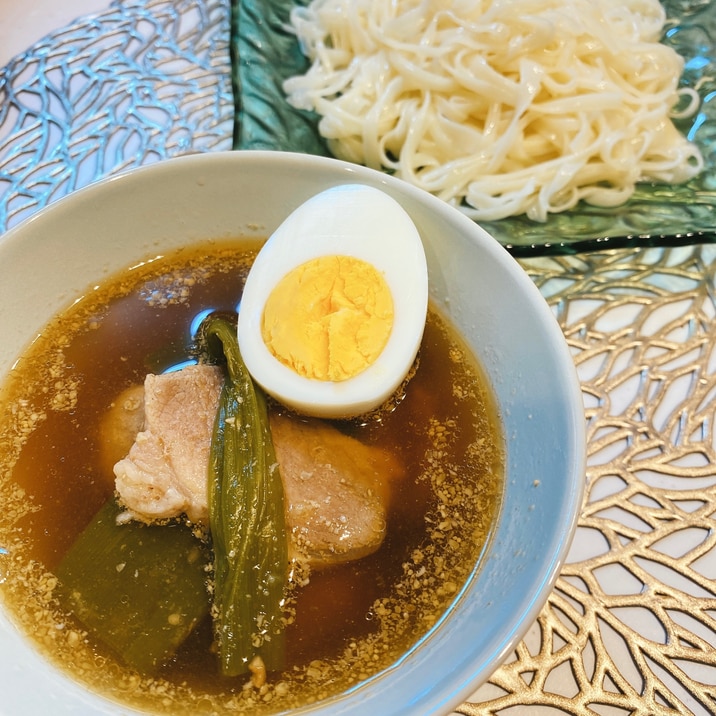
<point x="336" y="487"/>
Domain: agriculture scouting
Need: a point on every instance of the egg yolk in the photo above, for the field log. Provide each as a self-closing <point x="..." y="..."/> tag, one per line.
<point x="329" y="318"/>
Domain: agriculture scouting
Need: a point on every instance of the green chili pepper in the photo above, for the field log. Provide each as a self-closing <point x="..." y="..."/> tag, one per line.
<point x="140" y="588"/>
<point x="246" y="516"/>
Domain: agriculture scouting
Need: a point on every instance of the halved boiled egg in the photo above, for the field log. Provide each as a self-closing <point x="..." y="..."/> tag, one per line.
<point x="334" y="306"/>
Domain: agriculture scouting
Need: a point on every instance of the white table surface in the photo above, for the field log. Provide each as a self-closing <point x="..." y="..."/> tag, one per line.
<point x="24" y="23"/>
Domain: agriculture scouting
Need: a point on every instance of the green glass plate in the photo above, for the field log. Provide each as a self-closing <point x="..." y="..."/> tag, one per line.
<point x="264" y="54"/>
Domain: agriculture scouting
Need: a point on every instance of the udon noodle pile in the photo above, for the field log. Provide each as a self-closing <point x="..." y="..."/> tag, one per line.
<point x="499" y="107"/>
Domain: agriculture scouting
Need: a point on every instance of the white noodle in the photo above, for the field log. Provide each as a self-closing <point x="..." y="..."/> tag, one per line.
<point x="500" y="107"/>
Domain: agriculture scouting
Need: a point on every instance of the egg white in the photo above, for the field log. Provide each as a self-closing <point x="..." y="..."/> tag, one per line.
<point x="350" y="220"/>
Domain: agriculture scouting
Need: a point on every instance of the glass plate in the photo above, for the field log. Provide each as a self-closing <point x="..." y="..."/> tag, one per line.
<point x="264" y="54"/>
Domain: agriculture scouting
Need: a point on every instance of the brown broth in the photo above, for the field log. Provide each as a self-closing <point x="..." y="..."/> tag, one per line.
<point x="351" y="621"/>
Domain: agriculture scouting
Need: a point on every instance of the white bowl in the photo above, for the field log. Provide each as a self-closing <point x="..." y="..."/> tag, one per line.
<point x="54" y="256"/>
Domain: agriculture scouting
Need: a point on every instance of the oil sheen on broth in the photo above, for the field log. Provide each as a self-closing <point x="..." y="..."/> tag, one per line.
<point x="351" y="621"/>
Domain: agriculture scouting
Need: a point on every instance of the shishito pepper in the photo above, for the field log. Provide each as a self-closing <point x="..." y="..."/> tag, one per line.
<point x="139" y="588"/>
<point x="246" y="516"/>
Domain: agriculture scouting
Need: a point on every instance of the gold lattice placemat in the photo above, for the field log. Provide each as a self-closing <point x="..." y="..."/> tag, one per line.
<point x="631" y="625"/>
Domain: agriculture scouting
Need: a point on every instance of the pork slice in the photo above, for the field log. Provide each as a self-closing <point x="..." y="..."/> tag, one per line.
<point x="165" y="473"/>
<point x="119" y="427"/>
<point x="336" y="487"/>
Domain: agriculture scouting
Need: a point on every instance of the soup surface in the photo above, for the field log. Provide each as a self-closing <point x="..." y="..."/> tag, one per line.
<point x="348" y="622"/>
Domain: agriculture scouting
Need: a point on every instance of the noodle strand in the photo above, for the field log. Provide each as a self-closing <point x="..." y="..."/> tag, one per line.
<point x="499" y="107"/>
